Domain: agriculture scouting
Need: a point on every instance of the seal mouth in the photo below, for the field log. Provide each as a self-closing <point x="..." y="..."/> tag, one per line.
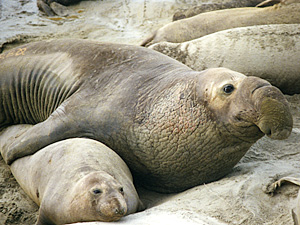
<point x="275" y="133"/>
<point x="111" y="218"/>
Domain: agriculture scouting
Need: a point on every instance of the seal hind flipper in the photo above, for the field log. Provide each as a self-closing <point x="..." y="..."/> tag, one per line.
<point x="45" y="8"/>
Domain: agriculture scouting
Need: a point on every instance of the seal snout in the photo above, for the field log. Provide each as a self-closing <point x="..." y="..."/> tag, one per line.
<point x="120" y="211"/>
<point x="275" y="119"/>
<point x="114" y="209"/>
<point x="260" y="86"/>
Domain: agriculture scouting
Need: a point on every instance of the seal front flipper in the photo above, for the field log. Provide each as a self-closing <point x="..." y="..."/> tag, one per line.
<point x="57" y="127"/>
<point x="33" y="89"/>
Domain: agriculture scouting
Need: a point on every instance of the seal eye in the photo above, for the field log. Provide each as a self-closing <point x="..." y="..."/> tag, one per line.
<point x="121" y="190"/>
<point x="97" y="191"/>
<point x="228" y="88"/>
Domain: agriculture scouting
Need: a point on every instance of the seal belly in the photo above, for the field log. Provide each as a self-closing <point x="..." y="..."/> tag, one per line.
<point x="34" y="88"/>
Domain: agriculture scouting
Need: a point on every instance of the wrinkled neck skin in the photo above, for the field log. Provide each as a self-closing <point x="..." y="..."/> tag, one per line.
<point x="181" y="135"/>
<point x="192" y="128"/>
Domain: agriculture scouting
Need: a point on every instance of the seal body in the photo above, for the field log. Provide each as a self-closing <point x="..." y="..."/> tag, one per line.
<point x="207" y="7"/>
<point x="76" y="180"/>
<point x="269" y="51"/>
<point x="209" y="22"/>
<point x="165" y="120"/>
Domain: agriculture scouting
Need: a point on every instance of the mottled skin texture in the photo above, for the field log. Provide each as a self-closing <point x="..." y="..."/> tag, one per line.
<point x="75" y="180"/>
<point x="293" y="180"/>
<point x="166" y="121"/>
<point x="211" y="22"/>
<point x="207" y="7"/>
<point x="270" y="52"/>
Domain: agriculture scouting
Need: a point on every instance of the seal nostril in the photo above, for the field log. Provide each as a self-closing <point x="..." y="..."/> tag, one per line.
<point x="119" y="211"/>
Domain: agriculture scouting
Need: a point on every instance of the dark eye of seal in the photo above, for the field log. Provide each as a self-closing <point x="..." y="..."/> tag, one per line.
<point x="121" y="190"/>
<point x="97" y="191"/>
<point x="228" y="88"/>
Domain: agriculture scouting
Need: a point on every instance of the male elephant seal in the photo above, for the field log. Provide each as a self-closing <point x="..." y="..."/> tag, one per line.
<point x="293" y="180"/>
<point x="211" y="22"/>
<point x="270" y="52"/>
<point x="76" y="180"/>
<point x="165" y="120"/>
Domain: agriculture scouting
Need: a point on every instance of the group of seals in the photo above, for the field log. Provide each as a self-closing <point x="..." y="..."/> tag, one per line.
<point x="270" y="52"/>
<point x="209" y="22"/>
<point x="165" y="120"/>
<point x="75" y="180"/>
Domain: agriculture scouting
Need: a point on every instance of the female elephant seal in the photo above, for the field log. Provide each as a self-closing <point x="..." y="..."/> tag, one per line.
<point x="211" y="22"/>
<point x="207" y="7"/>
<point x="76" y="180"/>
<point x="165" y="120"/>
<point x="270" y="52"/>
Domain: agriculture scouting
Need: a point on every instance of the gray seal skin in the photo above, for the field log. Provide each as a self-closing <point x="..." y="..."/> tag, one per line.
<point x="207" y="7"/>
<point x="75" y="180"/>
<point x="165" y="120"/>
<point x="209" y="22"/>
<point x="270" y="52"/>
<point x="293" y="180"/>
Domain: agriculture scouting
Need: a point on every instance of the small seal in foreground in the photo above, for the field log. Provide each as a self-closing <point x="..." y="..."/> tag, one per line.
<point x="76" y="180"/>
<point x="166" y="121"/>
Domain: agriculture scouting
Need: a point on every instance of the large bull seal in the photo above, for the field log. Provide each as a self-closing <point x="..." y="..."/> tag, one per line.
<point x="76" y="180"/>
<point x="165" y="120"/>
<point x="210" y="22"/>
<point x="270" y="52"/>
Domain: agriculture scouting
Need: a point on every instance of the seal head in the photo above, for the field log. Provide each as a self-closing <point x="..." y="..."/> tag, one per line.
<point x="99" y="197"/>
